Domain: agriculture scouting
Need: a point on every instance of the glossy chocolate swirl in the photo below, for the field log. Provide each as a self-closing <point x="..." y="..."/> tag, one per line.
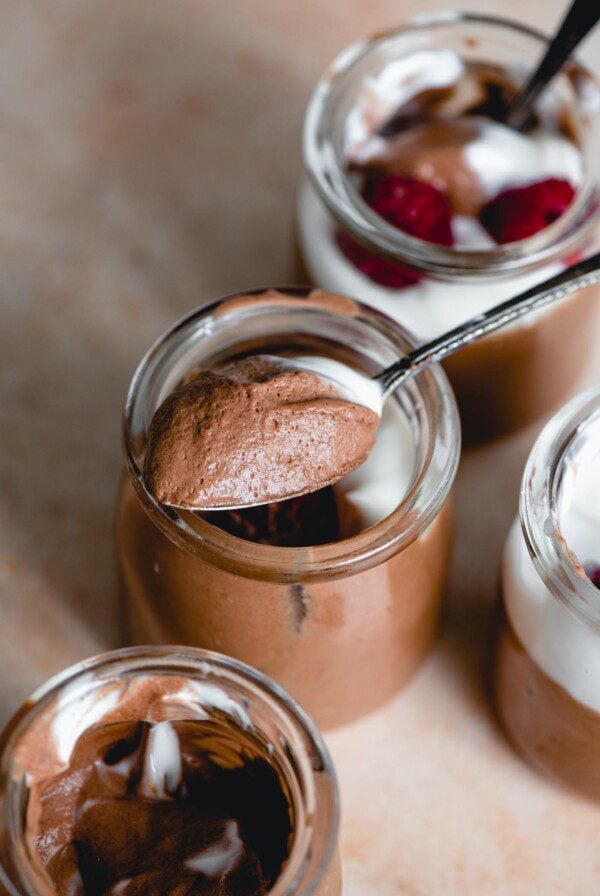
<point x="166" y="809"/>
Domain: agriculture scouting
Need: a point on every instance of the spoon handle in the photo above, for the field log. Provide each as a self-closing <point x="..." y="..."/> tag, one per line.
<point x="585" y="273"/>
<point x="580" y="19"/>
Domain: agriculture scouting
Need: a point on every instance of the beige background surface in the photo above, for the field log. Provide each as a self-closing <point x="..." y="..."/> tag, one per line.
<point x="149" y="151"/>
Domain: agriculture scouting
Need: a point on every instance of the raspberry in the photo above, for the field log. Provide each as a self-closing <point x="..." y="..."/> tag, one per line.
<point x="375" y="267"/>
<point x="520" y="212"/>
<point x="594" y="575"/>
<point x="410" y="205"/>
<point x="299" y="522"/>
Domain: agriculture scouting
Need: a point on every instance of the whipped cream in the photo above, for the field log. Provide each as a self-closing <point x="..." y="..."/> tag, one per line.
<point x="377" y="487"/>
<point x="502" y="158"/>
<point x="220" y="857"/>
<point x="88" y="702"/>
<point x="393" y="86"/>
<point x="162" y="772"/>
<point x="565" y="648"/>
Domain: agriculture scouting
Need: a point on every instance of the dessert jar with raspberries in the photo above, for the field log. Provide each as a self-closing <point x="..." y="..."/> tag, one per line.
<point x="336" y="594"/>
<point x="422" y="202"/>
<point x="548" y="663"/>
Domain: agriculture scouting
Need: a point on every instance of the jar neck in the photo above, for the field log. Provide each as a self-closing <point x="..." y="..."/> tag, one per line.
<point x="485" y="38"/>
<point x="224" y="689"/>
<point x="317" y="322"/>
<point x="559" y="451"/>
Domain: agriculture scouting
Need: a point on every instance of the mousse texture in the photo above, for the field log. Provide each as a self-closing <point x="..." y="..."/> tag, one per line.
<point x="556" y="733"/>
<point x="340" y="646"/>
<point x="165" y="809"/>
<point x="255" y="431"/>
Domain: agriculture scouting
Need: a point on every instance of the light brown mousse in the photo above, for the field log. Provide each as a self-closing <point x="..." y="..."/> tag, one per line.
<point x="555" y="732"/>
<point x="254" y="431"/>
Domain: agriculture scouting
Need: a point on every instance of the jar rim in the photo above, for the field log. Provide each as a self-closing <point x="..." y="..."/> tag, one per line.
<point x="539" y="513"/>
<point x="326" y="171"/>
<point x="291" y="564"/>
<point x="154" y="658"/>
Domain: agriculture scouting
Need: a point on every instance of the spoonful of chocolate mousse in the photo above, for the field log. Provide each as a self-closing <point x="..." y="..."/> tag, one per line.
<point x="257" y="430"/>
<point x="265" y="428"/>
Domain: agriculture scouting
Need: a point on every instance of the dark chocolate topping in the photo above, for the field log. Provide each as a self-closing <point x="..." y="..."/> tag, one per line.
<point x="217" y="823"/>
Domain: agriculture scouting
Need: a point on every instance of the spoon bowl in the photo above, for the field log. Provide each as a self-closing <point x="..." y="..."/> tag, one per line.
<point x="371" y="392"/>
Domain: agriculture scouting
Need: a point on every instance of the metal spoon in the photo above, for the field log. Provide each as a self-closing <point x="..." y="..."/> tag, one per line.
<point x="579" y="21"/>
<point x="374" y="391"/>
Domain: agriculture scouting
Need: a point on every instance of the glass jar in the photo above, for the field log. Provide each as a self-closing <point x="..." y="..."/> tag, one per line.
<point x="230" y="693"/>
<point x="548" y="664"/>
<point x="514" y="376"/>
<point x="341" y="626"/>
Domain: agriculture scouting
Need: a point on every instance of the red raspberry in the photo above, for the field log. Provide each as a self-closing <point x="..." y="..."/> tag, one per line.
<point x="375" y="267"/>
<point x="518" y="213"/>
<point x="299" y="522"/>
<point x="410" y="205"/>
<point x="594" y="575"/>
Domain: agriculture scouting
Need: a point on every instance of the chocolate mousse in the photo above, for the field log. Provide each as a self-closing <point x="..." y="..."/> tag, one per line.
<point x="335" y="594"/>
<point x="151" y="809"/>
<point x="254" y="431"/>
<point x="138" y="798"/>
<point x="558" y="734"/>
<point x="434" y="153"/>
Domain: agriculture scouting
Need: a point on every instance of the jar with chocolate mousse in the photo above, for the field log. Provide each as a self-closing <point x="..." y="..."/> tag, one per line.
<point x="422" y="202"/>
<point x="548" y="664"/>
<point x="165" y="772"/>
<point x="334" y="594"/>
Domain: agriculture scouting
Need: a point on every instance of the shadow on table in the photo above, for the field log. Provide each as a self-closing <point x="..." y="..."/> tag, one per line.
<point x="145" y="174"/>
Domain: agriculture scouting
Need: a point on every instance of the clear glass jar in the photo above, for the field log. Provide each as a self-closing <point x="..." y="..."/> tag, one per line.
<point x="548" y="664"/>
<point x="341" y="626"/>
<point x="519" y="374"/>
<point x="234" y="692"/>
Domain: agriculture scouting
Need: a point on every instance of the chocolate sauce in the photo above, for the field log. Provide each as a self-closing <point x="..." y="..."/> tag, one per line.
<point x="308" y="520"/>
<point x="489" y="94"/>
<point x="174" y="809"/>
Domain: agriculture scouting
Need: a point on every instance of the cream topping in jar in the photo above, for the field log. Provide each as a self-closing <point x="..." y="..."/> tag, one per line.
<point x="564" y="647"/>
<point x="432" y="120"/>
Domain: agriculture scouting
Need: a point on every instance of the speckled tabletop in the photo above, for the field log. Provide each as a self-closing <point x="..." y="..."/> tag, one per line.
<point x="148" y="159"/>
